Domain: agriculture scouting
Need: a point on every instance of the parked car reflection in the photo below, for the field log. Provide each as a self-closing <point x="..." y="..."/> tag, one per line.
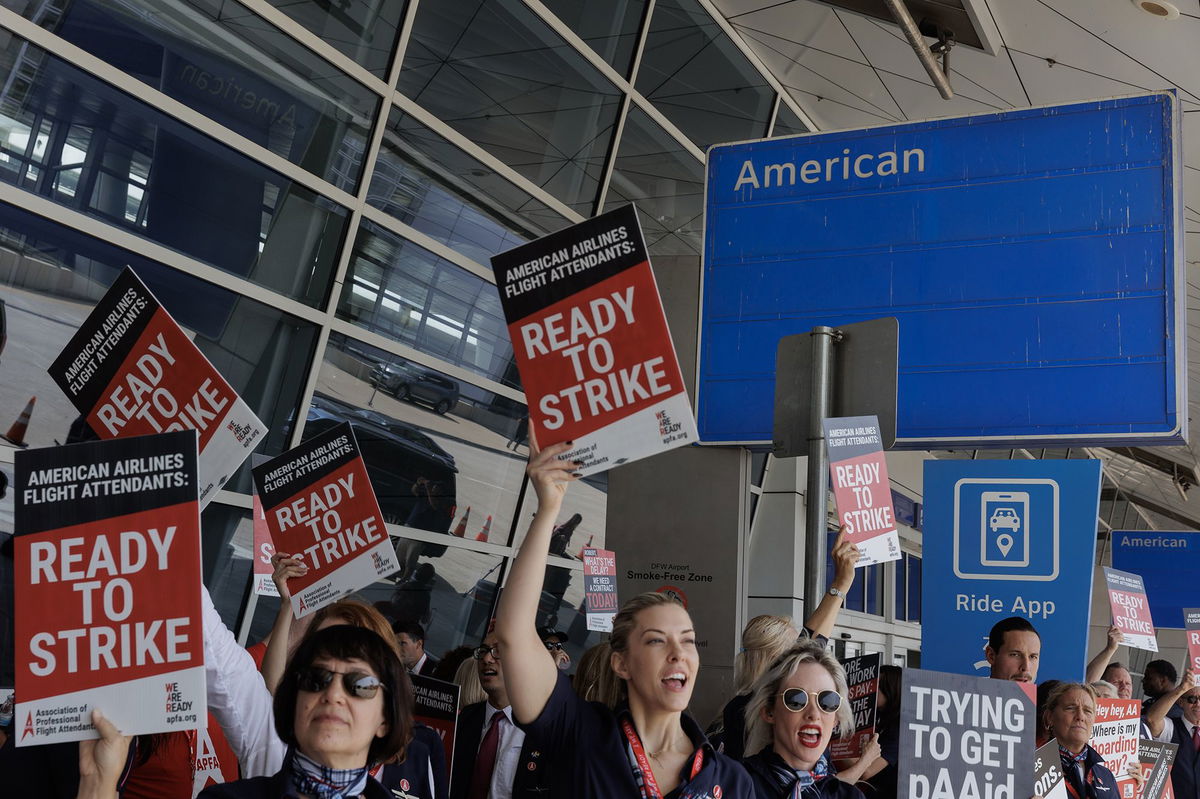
<point x="407" y="381"/>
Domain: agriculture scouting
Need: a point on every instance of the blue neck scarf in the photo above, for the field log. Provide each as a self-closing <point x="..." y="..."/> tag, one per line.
<point x="797" y="781"/>
<point x="312" y="779"/>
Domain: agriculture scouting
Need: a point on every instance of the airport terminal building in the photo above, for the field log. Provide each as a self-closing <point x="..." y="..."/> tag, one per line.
<point x="314" y="190"/>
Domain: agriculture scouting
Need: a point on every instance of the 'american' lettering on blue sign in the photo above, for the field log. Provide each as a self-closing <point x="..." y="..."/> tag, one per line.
<point x="865" y="165"/>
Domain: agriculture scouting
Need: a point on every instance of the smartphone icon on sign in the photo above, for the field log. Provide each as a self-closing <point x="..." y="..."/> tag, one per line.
<point x="1004" y="529"/>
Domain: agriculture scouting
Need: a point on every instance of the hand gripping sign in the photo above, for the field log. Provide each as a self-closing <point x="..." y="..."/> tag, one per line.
<point x="1131" y="609"/>
<point x="108" y="588"/>
<point x="320" y="508"/>
<point x="132" y="370"/>
<point x="592" y="345"/>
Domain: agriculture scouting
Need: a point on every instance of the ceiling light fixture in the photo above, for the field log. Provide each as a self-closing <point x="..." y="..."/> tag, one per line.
<point x="1163" y="9"/>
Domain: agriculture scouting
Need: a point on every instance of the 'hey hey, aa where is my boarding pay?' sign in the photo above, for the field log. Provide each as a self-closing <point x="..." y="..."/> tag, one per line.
<point x="592" y="345"/>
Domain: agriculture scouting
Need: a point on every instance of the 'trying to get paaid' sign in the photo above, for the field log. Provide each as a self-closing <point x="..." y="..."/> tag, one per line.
<point x="108" y="588"/>
<point x="592" y="344"/>
<point x="131" y="370"/>
<point x="320" y="508"/>
<point x="963" y="737"/>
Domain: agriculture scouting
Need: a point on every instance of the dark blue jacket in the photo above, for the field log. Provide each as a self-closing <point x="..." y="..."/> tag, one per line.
<point x="586" y="738"/>
<point x="276" y="787"/>
<point x="767" y="786"/>
<point x="534" y="778"/>
<point x="1185" y="771"/>
<point x="1100" y="782"/>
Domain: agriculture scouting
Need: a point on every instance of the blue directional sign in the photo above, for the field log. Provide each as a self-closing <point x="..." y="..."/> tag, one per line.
<point x="1008" y="538"/>
<point x="1169" y="565"/>
<point x="1033" y="258"/>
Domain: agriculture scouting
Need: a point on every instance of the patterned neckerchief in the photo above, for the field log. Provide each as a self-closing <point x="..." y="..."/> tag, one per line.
<point x="312" y="779"/>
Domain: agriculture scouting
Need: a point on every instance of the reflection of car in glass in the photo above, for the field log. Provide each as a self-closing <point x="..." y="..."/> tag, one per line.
<point x="413" y="477"/>
<point x="411" y="382"/>
<point x="3" y="327"/>
<point x="1004" y="517"/>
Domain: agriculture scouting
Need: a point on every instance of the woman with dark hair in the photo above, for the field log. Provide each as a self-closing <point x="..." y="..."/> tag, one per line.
<point x="342" y="706"/>
<point x="648" y="746"/>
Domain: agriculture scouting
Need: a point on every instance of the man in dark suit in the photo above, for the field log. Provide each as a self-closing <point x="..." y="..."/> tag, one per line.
<point x="1183" y="731"/>
<point x="410" y="639"/>
<point x="493" y="758"/>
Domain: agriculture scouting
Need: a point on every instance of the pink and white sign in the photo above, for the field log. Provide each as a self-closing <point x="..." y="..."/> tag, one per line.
<point x="861" y="487"/>
<point x="1131" y="608"/>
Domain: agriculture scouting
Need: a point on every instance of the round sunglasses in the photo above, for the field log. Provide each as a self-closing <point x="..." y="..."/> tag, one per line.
<point x="796" y="699"/>
<point x="315" y="680"/>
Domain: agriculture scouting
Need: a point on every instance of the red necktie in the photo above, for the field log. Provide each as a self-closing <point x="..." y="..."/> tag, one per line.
<point x="1196" y="738"/>
<point x="485" y="761"/>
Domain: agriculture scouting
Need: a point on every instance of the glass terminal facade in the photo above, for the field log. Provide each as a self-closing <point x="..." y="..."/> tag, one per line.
<point x="313" y="191"/>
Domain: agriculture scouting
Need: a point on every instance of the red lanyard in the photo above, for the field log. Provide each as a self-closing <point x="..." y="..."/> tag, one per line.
<point x="650" y="785"/>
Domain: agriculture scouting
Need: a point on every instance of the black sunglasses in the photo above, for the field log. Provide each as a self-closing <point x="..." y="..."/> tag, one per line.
<point x="1191" y="700"/>
<point x="483" y="651"/>
<point x="553" y="646"/>
<point x="796" y="699"/>
<point x="315" y="680"/>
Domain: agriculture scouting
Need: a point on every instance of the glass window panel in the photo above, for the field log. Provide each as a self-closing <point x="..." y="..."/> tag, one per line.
<point x="405" y="292"/>
<point x="581" y="522"/>
<point x="437" y="449"/>
<point x="151" y="175"/>
<point x="366" y="32"/>
<point x="227" y="542"/>
<point x="699" y="79"/>
<point x="901" y="587"/>
<point x="611" y="28"/>
<point x="52" y="277"/>
<point x="7" y="572"/>
<point x="428" y="183"/>
<point x="500" y="76"/>
<point x="787" y="123"/>
<point x="235" y="68"/>
<point x="664" y="180"/>
<point x="914" y="588"/>
<point x="872" y="576"/>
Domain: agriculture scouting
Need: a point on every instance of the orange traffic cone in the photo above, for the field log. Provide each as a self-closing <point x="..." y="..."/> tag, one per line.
<point x="461" y="529"/>
<point x="585" y="546"/>
<point x="16" y="433"/>
<point x="487" y="528"/>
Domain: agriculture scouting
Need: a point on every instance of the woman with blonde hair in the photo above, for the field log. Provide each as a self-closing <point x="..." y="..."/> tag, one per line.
<point x="595" y="680"/>
<point x="794" y="708"/>
<point x="767" y="637"/>
<point x="648" y="746"/>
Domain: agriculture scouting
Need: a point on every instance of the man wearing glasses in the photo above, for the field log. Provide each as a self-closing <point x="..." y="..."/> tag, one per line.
<point x="1184" y="732"/>
<point x="493" y="757"/>
<point x="555" y="642"/>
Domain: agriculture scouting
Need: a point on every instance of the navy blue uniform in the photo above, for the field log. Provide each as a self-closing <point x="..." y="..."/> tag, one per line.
<point x="1098" y="781"/>
<point x="587" y="736"/>
<point x="535" y="777"/>
<point x="278" y="786"/>
<point x="1185" y="771"/>
<point x="767" y="784"/>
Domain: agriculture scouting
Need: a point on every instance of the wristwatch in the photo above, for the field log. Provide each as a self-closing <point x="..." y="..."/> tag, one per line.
<point x="837" y="593"/>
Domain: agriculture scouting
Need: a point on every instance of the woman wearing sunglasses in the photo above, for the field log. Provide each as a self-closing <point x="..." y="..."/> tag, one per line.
<point x="796" y="705"/>
<point x="646" y="748"/>
<point x="342" y="706"/>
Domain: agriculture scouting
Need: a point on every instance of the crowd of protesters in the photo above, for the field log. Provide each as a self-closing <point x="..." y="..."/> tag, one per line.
<point x="324" y="707"/>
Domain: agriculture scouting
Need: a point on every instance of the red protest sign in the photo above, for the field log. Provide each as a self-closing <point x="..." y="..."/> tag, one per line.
<point x="132" y="370"/>
<point x="1191" y="624"/>
<point x="592" y="344"/>
<point x="1115" y="737"/>
<point x="320" y="508"/>
<point x="862" y="683"/>
<point x="264" y="549"/>
<point x="107" y="593"/>
<point x="861" y="487"/>
<point x="600" y="587"/>
<point x="435" y="704"/>
<point x="1131" y="609"/>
